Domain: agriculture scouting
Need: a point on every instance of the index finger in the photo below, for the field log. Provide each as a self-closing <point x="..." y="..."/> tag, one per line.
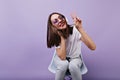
<point x="73" y="15"/>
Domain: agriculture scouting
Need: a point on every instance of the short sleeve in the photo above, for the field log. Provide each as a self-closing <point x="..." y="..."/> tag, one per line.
<point x="78" y="34"/>
<point x="57" y="47"/>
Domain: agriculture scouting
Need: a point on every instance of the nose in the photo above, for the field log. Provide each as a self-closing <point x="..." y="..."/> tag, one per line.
<point x="59" y="20"/>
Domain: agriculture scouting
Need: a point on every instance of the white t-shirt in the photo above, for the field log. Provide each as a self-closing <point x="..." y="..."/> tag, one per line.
<point x="73" y="44"/>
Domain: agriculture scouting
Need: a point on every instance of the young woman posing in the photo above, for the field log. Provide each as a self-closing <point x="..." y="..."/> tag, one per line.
<point x="67" y="40"/>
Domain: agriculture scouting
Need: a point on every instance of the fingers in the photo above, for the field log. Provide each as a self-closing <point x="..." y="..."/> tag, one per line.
<point x="78" y="19"/>
<point x="73" y="15"/>
<point x="60" y="33"/>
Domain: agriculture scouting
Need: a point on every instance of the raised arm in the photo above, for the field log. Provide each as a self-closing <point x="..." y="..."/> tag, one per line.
<point x="85" y="37"/>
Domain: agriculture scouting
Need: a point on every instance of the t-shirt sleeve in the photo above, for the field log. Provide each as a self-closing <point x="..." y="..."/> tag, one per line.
<point x="57" y="47"/>
<point x="78" y="34"/>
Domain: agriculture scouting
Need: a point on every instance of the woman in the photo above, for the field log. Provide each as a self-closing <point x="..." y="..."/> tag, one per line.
<point x="67" y="40"/>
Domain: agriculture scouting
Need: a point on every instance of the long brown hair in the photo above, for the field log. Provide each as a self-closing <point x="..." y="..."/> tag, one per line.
<point x="53" y="37"/>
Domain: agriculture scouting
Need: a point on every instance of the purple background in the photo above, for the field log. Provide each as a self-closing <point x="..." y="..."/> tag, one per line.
<point x="23" y="50"/>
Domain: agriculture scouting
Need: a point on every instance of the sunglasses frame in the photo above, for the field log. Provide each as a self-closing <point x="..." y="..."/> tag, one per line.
<point x="56" y="21"/>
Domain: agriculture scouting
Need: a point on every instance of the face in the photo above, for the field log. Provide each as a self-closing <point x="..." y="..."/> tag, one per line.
<point x="58" y="21"/>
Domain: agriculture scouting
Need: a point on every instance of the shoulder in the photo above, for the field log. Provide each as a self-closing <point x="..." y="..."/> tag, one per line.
<point x="75" y="30"/>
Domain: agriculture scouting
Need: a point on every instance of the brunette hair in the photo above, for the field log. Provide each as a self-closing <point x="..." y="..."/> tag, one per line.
<point x="53" y="37"/>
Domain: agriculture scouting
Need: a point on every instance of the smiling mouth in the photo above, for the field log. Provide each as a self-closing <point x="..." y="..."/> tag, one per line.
<point x="61" y="24"/>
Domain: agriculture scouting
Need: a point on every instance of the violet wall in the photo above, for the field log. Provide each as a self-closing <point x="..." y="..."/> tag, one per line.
<point x="23" y="26"/>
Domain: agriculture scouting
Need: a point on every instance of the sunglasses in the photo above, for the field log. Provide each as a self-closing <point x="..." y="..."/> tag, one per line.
<point x="56" y="21"/>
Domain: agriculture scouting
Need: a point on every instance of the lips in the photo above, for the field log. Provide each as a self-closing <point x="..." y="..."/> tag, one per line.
<point x="61" y="24"/>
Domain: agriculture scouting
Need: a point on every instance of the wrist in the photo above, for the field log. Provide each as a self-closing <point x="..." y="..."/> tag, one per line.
<point x="80" y="28"/>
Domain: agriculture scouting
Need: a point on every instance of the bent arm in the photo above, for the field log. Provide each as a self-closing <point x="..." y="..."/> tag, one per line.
<point x="61" y="52"/>
<point x="86" y="39"/>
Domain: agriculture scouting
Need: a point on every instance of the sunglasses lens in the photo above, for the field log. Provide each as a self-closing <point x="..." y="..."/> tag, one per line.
<point x="55" y="21"/>
<point x="61" y="17"/>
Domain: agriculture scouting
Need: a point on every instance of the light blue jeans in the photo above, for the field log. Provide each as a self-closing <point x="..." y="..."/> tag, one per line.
<point x="64" y="65"/>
